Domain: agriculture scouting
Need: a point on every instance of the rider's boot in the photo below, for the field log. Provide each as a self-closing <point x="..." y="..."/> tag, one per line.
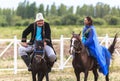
<point x="50" y="65"/>
<point x="26" y="59"/>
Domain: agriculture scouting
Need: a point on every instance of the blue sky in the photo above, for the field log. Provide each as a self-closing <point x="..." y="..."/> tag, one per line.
<point x="14" y="3"/>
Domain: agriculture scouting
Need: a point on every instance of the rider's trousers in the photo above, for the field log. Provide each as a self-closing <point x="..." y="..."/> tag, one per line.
<point x="49" y="51"/>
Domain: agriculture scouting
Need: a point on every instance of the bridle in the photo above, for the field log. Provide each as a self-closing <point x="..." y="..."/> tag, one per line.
<point x="73" y="47"/>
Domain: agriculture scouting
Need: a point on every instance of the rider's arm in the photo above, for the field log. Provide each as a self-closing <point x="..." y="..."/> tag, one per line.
<point x="89" y="40"/>
<point x="26" y="32"/>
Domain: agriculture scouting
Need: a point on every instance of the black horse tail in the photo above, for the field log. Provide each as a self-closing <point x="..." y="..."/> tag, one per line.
<point x="112" y="46"/>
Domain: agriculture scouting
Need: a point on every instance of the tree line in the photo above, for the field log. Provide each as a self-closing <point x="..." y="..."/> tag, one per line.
<point x="101" y="13"/>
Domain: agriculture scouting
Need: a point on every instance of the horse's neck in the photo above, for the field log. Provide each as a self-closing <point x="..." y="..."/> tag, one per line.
<point x="84" y="51"/>
<point x="82" y="56"/>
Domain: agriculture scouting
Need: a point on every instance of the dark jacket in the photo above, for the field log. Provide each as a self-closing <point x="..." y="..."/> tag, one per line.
<point x="46" y="33"/>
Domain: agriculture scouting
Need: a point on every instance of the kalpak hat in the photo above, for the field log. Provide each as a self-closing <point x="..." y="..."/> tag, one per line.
<point x="39" y="16"/>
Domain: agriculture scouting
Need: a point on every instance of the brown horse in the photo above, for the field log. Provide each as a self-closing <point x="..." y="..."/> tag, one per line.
<point x="82" y="62"/>
<point x="39" y="62"/>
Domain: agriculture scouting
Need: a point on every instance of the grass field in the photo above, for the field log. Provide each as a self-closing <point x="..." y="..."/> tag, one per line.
<point x="56" y="31"/>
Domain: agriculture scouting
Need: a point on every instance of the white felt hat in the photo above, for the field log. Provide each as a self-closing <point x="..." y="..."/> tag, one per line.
<point x="39" y="16"/>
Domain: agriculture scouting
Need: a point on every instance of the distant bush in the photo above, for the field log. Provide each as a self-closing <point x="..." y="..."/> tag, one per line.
<point x="3" y="21"/>
<point x="113" y="20"/>
<point x="54" y="20"/>
<point x="69" y="19"/>
<point x="26" y="22"/>
<point x="99" y="21"/>
<point x="80" y="21"/>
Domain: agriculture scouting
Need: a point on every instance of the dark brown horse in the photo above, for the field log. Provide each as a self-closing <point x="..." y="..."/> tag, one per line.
<point x="39" y="62"/>
<point x="82" y="62"/>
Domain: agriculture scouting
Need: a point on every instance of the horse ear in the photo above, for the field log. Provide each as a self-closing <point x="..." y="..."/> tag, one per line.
<point x="80" y="33"/>
<point x="73" y="32"/>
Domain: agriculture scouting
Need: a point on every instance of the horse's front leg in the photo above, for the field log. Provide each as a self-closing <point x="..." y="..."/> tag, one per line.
<point x="33" y="76"/>
<point x="77" y="73"/>
<point x="47" y="77"/>
<point x="95" y="74"/>
<point x="86" y="75"/>
<point x="40" y="76"/>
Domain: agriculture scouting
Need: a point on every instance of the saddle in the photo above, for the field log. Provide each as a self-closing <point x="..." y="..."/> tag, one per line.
<point x="49" y="64"/>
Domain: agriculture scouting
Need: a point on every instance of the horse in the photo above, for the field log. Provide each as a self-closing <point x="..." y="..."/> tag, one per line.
<point x="39" y="62"/>
<point x="82" y="61"/>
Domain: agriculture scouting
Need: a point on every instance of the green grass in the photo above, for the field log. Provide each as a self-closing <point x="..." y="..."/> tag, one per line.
<point x="57" y="31"/>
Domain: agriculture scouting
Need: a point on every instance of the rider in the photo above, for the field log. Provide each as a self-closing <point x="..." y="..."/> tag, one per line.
<point x="40" y="30"/>
<point x="100" y="53"/>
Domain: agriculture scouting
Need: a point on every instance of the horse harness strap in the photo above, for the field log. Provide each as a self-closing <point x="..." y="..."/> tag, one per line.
<point x="35" y="51"/>
<point x="86" y="32"/>
<point x="43" y="31"/>
<point x="87" y="50"/>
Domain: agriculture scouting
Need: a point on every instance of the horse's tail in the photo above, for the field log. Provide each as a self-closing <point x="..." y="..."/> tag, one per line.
<point x="112" y="46"/>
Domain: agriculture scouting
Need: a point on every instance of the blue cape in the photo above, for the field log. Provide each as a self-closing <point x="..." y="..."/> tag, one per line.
<point x="100" y="53"/>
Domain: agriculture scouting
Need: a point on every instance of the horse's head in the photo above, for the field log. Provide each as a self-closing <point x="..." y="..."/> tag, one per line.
<point x="75" y="43"/>
<point x="39" y="51"/>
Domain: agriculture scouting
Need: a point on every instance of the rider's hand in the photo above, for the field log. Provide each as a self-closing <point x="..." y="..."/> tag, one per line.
<point x="45" y="43"/>
<point x="24" y="44"/>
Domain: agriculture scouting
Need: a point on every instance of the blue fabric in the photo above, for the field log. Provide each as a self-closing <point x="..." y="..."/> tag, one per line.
<point x="100" y="53"/>
<point x="38" y="33"/>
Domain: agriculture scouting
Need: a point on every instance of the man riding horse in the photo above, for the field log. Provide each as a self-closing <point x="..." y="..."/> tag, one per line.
<point x="40" y="30"/>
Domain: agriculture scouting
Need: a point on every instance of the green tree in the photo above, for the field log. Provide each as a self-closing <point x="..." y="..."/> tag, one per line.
<point x="106" y="10"/>
<point x="8" y="15"/>
<point x="99" y="10"/>
<point x="53" y="10"/>
<point x="62" y="10"/>
<point x="41" y="9"/>
<point x="32" y="10"/>
<point x="91" y="11"/>
<point x="47" y="11"/>
<point x="70" y="10"/>
<point x="21" y="9"/>
<point x="77" y="10"/>
<point x="115" y="11"/>
<point x="84" y="10"/>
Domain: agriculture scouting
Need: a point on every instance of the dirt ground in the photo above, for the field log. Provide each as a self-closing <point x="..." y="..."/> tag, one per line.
<point x="61" y="75"/>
